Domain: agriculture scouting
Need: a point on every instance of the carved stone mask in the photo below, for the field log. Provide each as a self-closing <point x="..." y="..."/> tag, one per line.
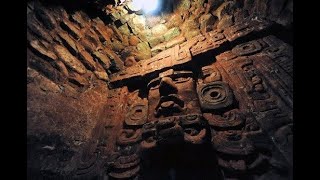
<point x="172" y="93"/>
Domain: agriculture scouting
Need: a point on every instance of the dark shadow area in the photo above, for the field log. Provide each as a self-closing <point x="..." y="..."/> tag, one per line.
<point x="92" y="8"/>
<point x="181" y="162"/>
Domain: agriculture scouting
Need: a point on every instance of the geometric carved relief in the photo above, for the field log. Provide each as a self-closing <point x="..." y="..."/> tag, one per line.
<point x="267" y="92"/>
<point x="247" y="48"/>
<point x="233" y="106"/>
<point x="125" y="162"/>
<point x="125" y="167"/>
<point x="230" y="119"/>
<point x="213" y="93"/>
<point x="175" y="129"/>
<point x="233" y="131"/>
<point x="214" y="96"/>
<point x="137" y="115"/>
<point x="137" y="111"/>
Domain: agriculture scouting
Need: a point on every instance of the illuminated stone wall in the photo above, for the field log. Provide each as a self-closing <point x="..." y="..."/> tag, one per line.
<point x="94" y="71"/>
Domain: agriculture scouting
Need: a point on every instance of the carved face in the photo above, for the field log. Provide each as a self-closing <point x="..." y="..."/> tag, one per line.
<point x="172" y="93"/>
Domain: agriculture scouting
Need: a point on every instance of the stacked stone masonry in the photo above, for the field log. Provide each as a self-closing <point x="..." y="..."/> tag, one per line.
<point x="201" y="92"/>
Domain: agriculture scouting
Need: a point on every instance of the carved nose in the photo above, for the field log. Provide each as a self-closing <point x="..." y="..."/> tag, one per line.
<point x="167" y="87"/>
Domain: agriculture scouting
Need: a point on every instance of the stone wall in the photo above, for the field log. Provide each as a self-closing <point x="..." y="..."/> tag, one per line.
<point x="67" y="70"/>
<point x="150" y="34"/>
<point x="73" y="54"/>
<point x="81" y="48"/>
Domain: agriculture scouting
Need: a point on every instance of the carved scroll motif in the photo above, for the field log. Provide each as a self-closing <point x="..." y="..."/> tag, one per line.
<point x="92" y="157"/>
<point x="212" y="92"/>
<point x="195" y="130"/>
<point x="149" y="133"/>
<point x="266" y="93"/>
<point x="125" y="162"/>
<point x="128" y="137"/>
<point x="234" y="134"/>
<point x="137" y="113"/>
<point x="239" y="150"/>
<point x="247" y="48"/>
<point x="175" y="129"/>
<point x="228" y="120"/>
<point x="126" y="166"/>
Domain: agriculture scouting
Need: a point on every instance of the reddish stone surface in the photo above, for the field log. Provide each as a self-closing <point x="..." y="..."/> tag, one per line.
<point x="210" y="105"/>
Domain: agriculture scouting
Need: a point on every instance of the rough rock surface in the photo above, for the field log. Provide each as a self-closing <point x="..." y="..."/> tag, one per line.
<point x="104" y="82"/>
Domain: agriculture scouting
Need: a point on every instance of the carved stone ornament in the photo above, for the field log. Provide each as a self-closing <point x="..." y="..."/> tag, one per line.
<point x="214" y="96"/>
<point x="137" y="115"/>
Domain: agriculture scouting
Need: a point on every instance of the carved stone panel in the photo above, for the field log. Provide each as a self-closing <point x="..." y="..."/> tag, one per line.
<point x="235" y="108"/>
<point x="214" y="96"/>
<point x="172" y="93"/>
<point x="137" y="110"/>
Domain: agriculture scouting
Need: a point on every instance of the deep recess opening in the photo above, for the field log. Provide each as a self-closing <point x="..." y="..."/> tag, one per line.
<point x="214" y="94"/>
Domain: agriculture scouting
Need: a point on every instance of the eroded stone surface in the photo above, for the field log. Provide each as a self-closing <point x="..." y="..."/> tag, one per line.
<point x="69" y="59"/>
<point x="185" y="87"/>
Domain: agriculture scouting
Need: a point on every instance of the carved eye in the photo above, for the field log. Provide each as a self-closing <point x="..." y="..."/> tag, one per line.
<point x="215" y="95"/>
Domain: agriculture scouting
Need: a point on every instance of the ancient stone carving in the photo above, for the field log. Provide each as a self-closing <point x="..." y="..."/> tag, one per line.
<point x="125" y="163"/>
<point x="125" y="173"/>
<point x="239" y="150"/>
<point x="137" y="115"/>
<point x="175" y="129"/>
<point x="269" y="109"/>
<point x="214" y="96"/>
<point x="137" y="110"/>
<point x="244" y="28"/>
<point x="247" y="48"/>
<point x="232" y="142"/>
<point x="242" y="165"/>
<point x="169" y="131"/>
<point x="210" y="74"/>
<point x="183" y="53"/>
<point x="169" y="94"/>
<point x="169" y="100"/>
<point x="209" y="41"/>
<point x="191" y="120"/>
<point x="230" y="119"/>
<point x="194" y="136"/>
<point x="213" y="93"/>
<point x="128" y="137"/>
<point x="149" y="133"/>
<point x="124" y="166"/>
<point x="169" y="105"/>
